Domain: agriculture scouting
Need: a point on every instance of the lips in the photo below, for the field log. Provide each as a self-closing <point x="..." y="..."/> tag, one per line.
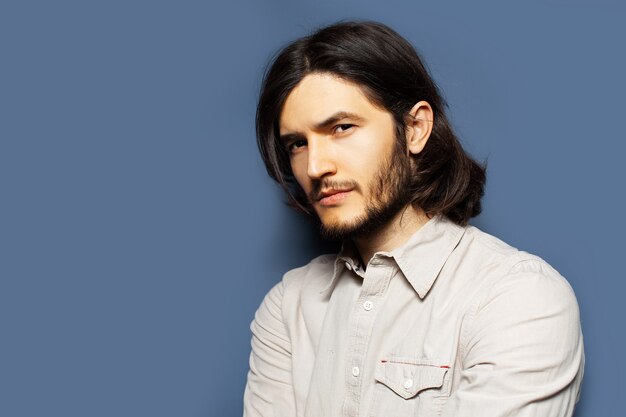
<point x="331" y="197"/>
<point x="332" y="192"/>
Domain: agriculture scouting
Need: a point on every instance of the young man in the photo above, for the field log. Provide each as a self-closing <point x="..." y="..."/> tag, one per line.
<point x="420" y="314"/>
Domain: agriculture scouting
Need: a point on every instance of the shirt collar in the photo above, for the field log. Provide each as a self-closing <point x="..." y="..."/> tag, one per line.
<point x="420" y="258"/>
<point x="348" y="255"/>
<point x="423" y="256"/>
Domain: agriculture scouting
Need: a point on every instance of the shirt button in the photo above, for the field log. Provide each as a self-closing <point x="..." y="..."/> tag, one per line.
<point x="368" y="305"/>
<point x="356" y="371"/>
<point x="408" y="383"/>
<point x="348" y="266"/>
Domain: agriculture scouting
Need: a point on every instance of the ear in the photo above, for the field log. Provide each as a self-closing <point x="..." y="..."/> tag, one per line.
<point x="419" y="126"/>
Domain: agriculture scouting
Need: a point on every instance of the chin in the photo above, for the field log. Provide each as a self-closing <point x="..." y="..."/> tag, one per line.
<point x="338" y="219"/>
<point x="339" y="228"/>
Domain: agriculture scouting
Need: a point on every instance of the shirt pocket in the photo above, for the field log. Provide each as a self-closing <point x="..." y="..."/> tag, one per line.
<point x="409" y="387"/>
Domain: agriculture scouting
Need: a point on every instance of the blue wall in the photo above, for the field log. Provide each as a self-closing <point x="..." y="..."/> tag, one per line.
<point x="139" y="231"/>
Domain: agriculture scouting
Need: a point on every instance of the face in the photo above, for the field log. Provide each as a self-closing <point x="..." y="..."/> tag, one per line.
<point x="345" y="156"/>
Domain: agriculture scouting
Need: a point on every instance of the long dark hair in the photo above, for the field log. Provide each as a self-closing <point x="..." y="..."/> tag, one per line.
<point x="446" y="179"/>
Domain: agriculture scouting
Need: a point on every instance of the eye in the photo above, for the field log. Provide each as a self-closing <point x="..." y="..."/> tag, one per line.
<point x="343" y="127"/>
<point x="295" y="145"/>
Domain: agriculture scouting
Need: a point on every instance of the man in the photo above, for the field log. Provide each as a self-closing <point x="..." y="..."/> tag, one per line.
<point x="420" y="314"/>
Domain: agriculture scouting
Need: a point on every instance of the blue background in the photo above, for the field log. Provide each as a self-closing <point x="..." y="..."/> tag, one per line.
<point x="139" y="231"/>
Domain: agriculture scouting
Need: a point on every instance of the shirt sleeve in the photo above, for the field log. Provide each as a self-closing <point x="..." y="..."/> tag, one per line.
<point x="523" y="353"/>
<point x="269" y="391"/>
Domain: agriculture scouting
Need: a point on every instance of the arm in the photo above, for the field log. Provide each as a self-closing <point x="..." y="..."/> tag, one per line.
<point x="523" y="352"/>
<point x="269" y="391"/>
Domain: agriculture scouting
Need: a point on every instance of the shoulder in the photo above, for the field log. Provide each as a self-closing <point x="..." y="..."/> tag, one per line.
<point x="522" y="331"/>
<point x="282" y="307"/>
<point x="534" y="283"/>
<point x="318" y="271"/>
<point x="518" y="283"/>
<point x="501" y="270"/>
<point x="488" y="248"/>
<point x="316" y="274"/>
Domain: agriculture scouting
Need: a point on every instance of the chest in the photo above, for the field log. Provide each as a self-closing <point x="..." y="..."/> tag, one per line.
<point x="381" y="350"/>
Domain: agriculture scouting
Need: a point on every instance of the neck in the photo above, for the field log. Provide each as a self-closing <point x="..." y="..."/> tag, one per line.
<point x="395" y="233"/>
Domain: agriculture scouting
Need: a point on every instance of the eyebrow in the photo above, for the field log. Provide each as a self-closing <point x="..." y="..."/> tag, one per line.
<point x="340" y="115"/>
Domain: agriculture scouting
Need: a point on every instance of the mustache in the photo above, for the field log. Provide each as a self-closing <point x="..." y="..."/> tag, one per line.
<point x="318" y="185"/>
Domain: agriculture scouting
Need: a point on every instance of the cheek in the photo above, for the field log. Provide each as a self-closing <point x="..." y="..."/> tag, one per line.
<point x="299" y="170"/>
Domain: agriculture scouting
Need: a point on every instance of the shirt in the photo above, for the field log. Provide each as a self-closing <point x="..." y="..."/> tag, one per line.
<point x="455" y="322"/>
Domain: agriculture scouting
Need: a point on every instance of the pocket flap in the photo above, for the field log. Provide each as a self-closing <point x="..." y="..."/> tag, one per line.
<point x="407" y="378"/>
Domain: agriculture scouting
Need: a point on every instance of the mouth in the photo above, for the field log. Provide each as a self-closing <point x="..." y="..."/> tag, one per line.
<point x="333" y="197"/>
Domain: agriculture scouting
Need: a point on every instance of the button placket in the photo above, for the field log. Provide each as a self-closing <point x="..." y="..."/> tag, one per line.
<point x="363" y="317"/>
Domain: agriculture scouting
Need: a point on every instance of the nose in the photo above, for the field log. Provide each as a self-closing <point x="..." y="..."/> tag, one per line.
<point x="320" y="159"/>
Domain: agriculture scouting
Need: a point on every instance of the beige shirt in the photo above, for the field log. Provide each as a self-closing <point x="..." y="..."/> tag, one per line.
<point x="453" y="323"/>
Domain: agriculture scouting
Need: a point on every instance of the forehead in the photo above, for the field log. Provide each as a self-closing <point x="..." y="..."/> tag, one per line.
<point x="320" y="95"/>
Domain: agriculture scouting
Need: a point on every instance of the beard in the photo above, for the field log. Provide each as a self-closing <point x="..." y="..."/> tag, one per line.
<point x="389" y="194"/>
